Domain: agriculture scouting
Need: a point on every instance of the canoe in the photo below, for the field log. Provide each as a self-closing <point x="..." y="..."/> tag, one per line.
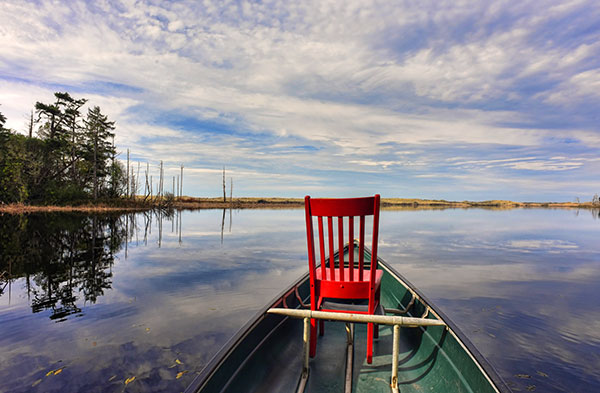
<point x="270" y="352"/>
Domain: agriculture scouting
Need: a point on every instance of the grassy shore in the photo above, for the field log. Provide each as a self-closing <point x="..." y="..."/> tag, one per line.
<point x="193" y="203"/>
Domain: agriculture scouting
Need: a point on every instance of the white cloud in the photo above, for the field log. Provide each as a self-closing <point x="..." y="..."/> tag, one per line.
<point x="355" y="79"/>
<point x="580" y="87"/>
<point x="541" y="244"/>
<point x="558" y="163"/>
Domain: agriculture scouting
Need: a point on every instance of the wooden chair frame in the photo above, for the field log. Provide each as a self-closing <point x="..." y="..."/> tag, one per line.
<point x="354" y="281"/>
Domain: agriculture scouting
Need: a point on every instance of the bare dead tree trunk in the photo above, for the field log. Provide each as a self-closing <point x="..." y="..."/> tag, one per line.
<point x="114" y="187"/>
<point x="133" y="183"/>
<point x="137" y="179"/>
<point x="231" y="190"/>
<point x="181" y="183"/>
<point x="147" y="185"/>
<point x="127" y="175"/>
<point x="224" y="194"/>
<point x="160" y="192"/>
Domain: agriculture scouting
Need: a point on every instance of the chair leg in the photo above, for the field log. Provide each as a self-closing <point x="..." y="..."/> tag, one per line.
<point x="376" y="332"/>
<point x="321" y="327"/>
<point x="313" y="338"/>
<point x="369" y="343"/>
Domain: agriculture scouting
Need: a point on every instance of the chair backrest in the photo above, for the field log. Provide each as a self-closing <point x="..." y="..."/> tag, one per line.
<point x="341" y="208"/>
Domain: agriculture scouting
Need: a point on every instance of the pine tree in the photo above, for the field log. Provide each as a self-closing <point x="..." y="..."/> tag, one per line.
<point x="12" y="183"/>
<point x="59" y="130"/>
<point x="2" y="121"/>
<point x="101" y="150"/>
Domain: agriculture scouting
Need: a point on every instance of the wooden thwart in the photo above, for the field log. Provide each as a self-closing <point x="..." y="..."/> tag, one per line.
<point x="350" y="318"/>
<point x="357" y="318"/>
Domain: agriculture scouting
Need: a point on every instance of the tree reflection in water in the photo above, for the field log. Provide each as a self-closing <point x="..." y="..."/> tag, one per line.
<point x="66" y="259"/>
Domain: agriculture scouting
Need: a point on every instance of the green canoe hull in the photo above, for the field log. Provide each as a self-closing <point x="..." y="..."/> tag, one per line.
<point x="266" y="355"/>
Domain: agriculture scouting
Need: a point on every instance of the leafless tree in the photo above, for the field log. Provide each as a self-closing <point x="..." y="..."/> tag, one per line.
<point x="127" y="174"/>
<point x="224" y="192"/>
<point x="181" y="183"/>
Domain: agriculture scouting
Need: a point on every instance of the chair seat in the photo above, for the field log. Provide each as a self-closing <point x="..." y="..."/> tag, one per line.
<point x="346" y="289"/>
<point x="336" y="276"/>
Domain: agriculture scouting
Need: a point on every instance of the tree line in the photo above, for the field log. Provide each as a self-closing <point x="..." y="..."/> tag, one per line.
<point x="72" y="157"/>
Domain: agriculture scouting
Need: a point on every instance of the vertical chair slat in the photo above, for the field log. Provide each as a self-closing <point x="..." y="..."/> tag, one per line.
<point x="341" y="247"/>
<point x="309" y="237"/>
<point x="375" y="234"/>
<point x="351" y="246"/>
<point x="322" y="246"/>
<point x="361" y="249"/>
<point x="331" y="257"/>
<point x="374" y="256"/>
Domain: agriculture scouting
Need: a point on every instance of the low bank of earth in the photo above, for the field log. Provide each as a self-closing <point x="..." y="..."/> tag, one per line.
<point x="270" y="203"/>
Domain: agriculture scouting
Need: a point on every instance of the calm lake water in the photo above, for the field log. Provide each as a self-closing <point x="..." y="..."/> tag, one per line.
<point x="93" y="301"/>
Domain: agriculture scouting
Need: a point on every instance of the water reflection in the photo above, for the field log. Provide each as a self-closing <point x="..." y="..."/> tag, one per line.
<point x="62" y="258"/>
<point x="524" y="285"/>
<point x="223" y="222"/>
<point x="66" y="259"/>
<point x="595" y="212"/>
<point x="134" y="292"/>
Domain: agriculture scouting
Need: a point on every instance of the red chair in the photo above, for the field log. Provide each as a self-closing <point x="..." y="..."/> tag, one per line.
<point x="348" y="286"/>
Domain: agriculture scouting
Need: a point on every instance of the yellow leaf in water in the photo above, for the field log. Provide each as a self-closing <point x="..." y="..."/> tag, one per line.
<point x="36" y="383"/>
<point x="49" y="373"/>
<point x="178" y="361"/>
<point x="147" y="329"/>
<point x="180" y="374"/>
<point x="58" y="371"/>
<point x="129" y="380"/>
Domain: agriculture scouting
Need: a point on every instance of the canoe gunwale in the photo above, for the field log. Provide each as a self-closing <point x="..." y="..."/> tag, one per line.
<point x="241" y="334"/>
<point x="486" y="368"/>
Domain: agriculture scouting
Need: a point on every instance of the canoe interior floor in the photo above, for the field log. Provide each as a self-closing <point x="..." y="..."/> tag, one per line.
<point x="276" y="366"/>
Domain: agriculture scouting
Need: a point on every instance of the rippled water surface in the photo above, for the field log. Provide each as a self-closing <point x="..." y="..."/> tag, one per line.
<point x="90" y="302"/>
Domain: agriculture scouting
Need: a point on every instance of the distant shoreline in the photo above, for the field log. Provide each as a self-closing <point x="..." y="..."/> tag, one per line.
<point x="192" y="203"/>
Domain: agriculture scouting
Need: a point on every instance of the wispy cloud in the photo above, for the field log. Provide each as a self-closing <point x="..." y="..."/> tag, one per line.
<point x="358" y="96"/>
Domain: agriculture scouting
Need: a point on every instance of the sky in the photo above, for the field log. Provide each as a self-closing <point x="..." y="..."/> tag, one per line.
<point x="456" y="100"/>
